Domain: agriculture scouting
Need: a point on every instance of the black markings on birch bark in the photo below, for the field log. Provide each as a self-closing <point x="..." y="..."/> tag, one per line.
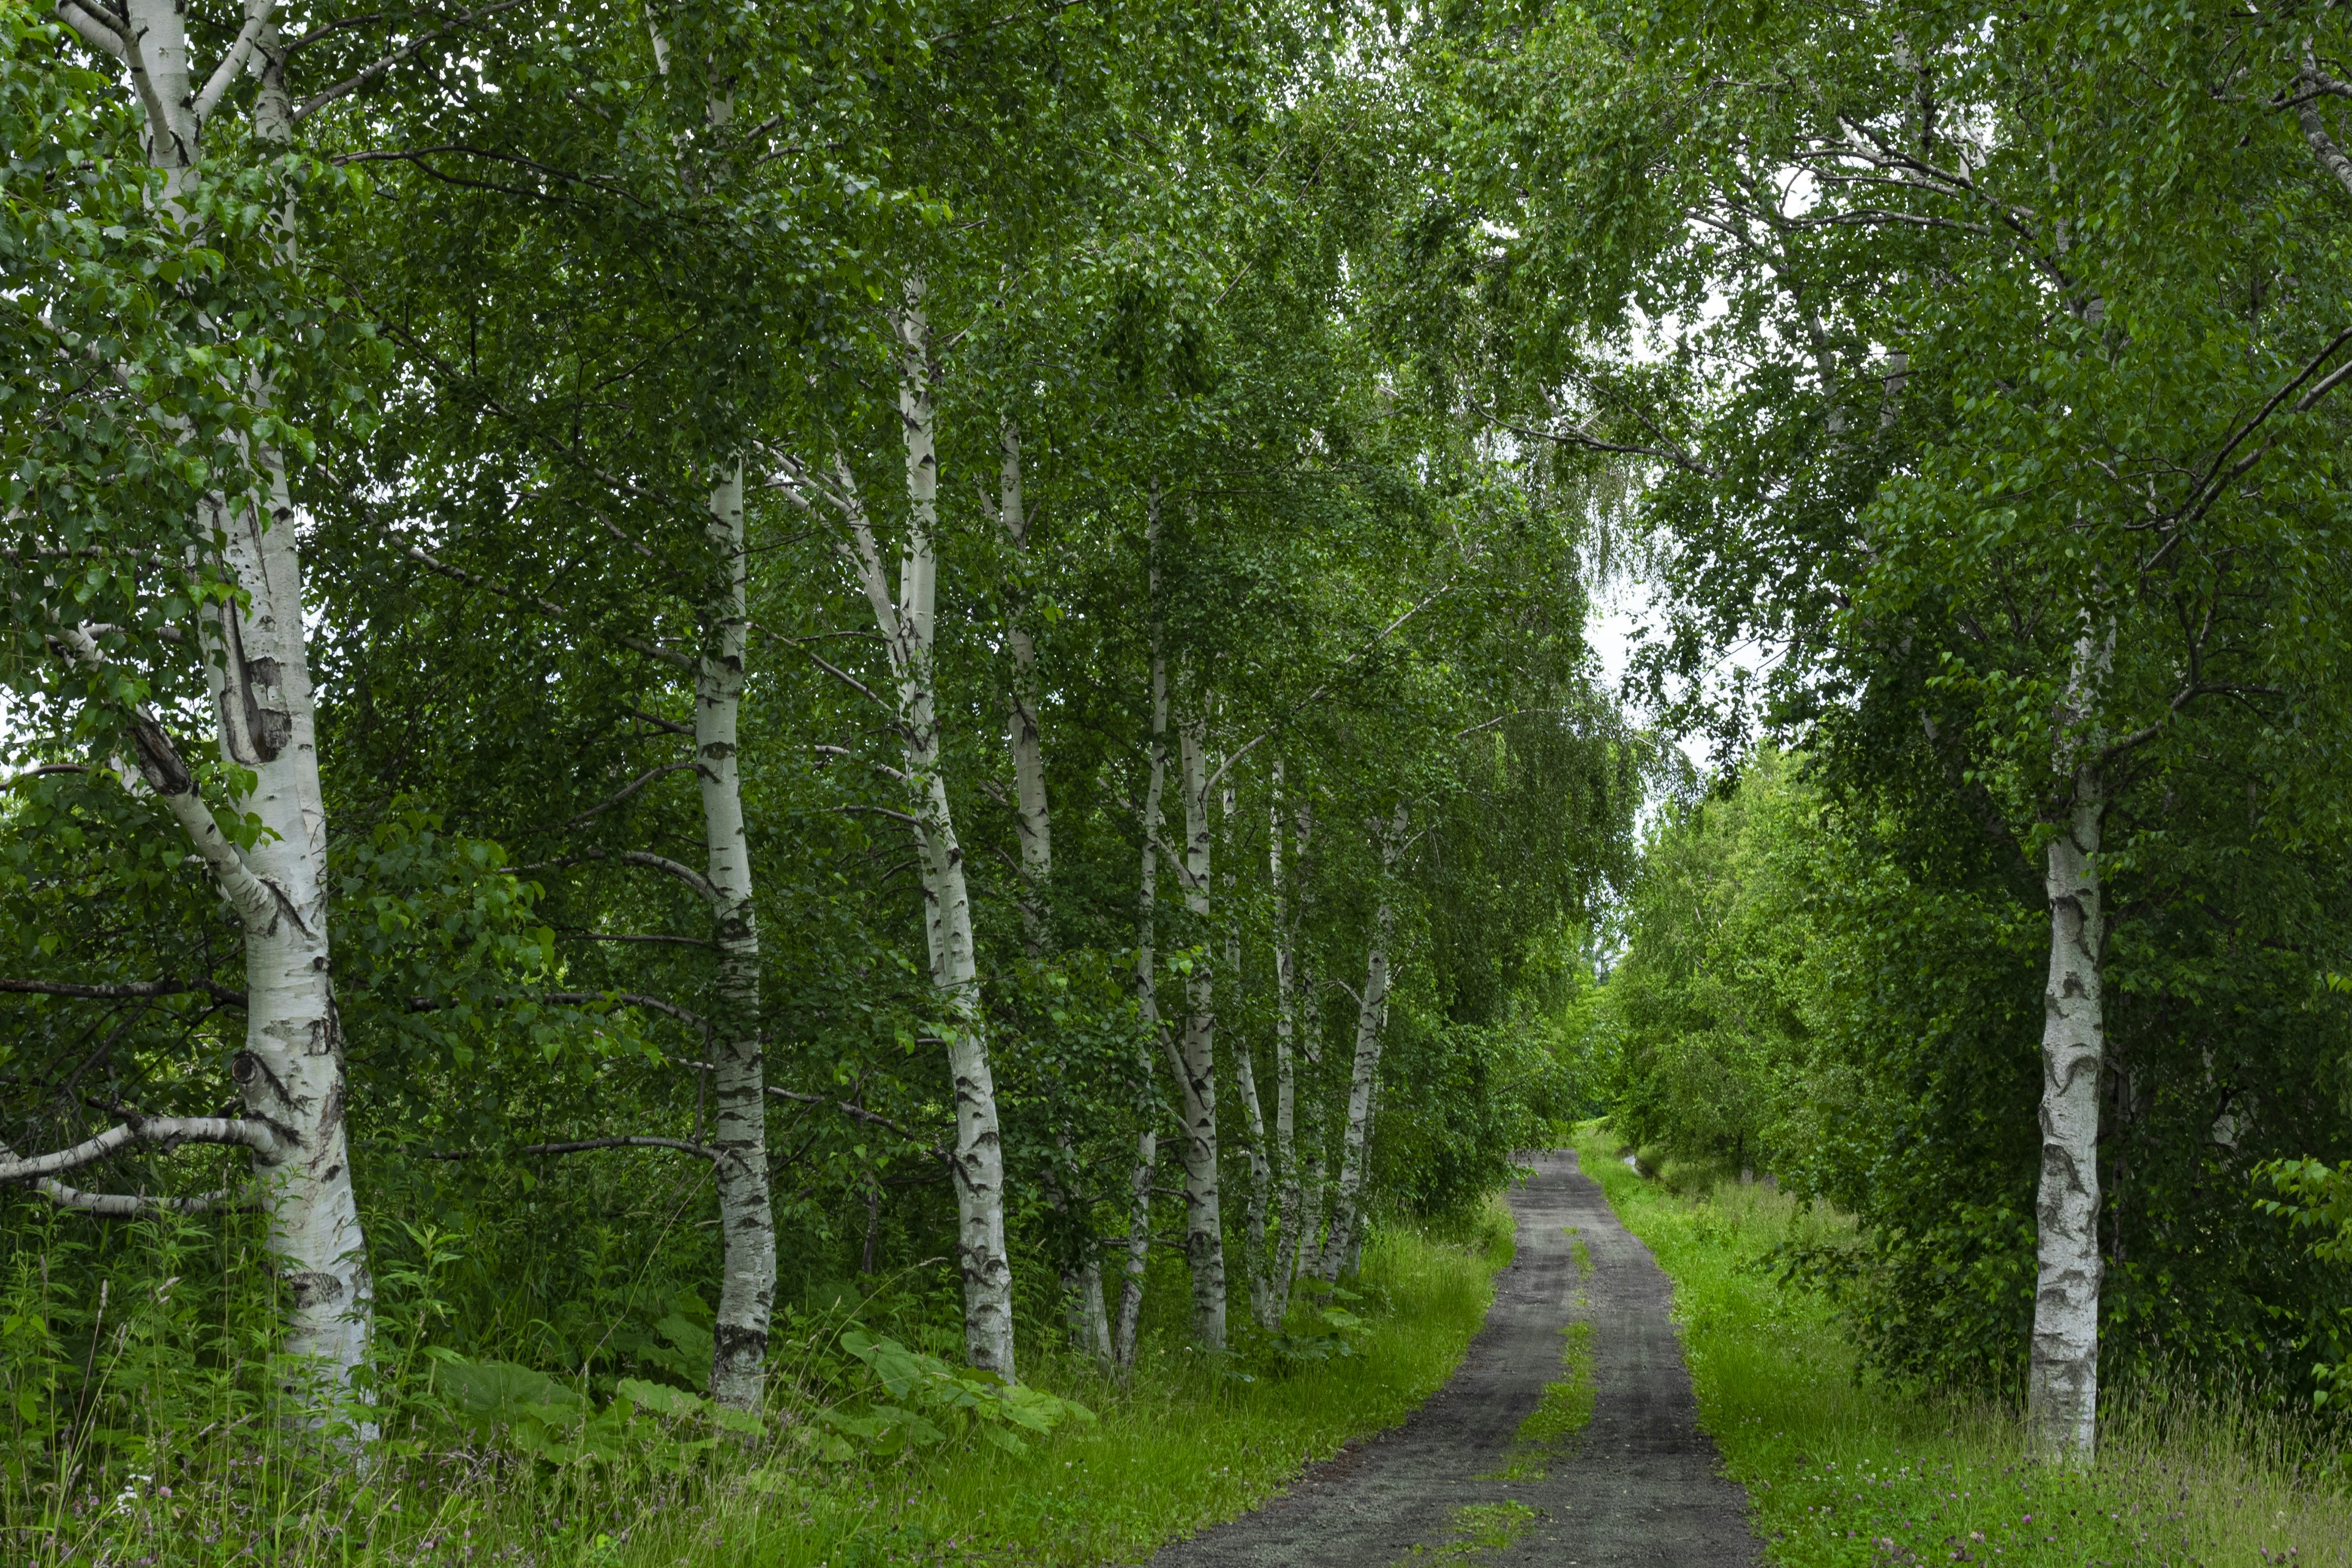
<point x="291" y="1070"/>
<point x="1147" y="983"/>
<point x="1344" y="1244"/>
<point x="1204" y="1231"/>
<point x="2062" y="1373"/>
<point x="747" y="1225"/>
<point x="1291" y="1212"/>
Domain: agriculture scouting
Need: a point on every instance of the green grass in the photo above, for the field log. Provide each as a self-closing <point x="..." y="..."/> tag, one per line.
<point x="1846" y="1470"/>
<point x="1478" y="1528"/>
<point x="1185" y="1443"/>
<point x="1564" y="1408"/>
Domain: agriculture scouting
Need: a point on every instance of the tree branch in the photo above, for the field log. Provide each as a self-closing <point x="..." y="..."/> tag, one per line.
<point x="632" y="787"/>
<point x="350" y="85"/>
<point x="126" y="990"/>
<point x="163" y="1132"/>
<point x="257" y="16"/>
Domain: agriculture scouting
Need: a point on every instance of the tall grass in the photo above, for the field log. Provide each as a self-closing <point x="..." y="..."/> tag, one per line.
<point x="1188" y="1440"/>
<point x="1845" y="1469"/>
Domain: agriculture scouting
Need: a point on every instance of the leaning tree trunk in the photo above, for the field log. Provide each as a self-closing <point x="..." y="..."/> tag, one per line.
<point x="1339" y="1248"/>
<point x="1255" y="1260"/>
<point x="906" y="623"/>
<point x="739" y="1127"/>
<point x="1082" y="1283"/>
<point x="1147" y="983"/>
<point x="1204" y="1234"/>
<point x="2062" y="1382"/>
<point x="1314" y="1097"/>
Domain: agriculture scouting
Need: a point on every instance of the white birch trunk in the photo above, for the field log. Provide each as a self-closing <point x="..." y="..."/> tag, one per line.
<point x="2062" y="1382"/>
<point x="1341" y="1246"/>
<point x="1205" y="1236"/>
<point x="1147" y="983"/>
<point x="290" y="1072"/>
<point x="1314" y="1132"/>
<point x="740" y="1124"/>
<point x="1256" y="1261"/>
<point x="1082" y="1282"/>
<point x="1288" y="1212"/>
<point x="906" y="623"/>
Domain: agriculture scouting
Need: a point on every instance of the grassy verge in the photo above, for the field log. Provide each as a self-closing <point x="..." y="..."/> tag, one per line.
<point x="1182" y="1444"/>
<point x="1846" y="1471"/>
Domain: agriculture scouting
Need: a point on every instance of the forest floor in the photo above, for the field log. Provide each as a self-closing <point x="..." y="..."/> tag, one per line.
<point x="1568" y="1437"/>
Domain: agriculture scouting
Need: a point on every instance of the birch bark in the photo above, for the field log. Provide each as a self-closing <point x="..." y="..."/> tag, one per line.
<point x="2062" y="1376"/>
<point x="1082" y="1282"/>
<point x="1314" y="1135"/>
<point x="1256" y="1259"/>
<point x="906" y="625"/>
<point x="1340" y="1246"/>
<point x="2063" y="1380"/>
<point x="1147" y="983"/>
<point x="740" y="1124"/>
<point x="1289" y="1213"/>
<point x="290" y="1072"/>
<point x="1205" y="1236"/>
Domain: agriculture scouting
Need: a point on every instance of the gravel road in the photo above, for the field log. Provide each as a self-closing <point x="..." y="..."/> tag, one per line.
<point x="1642" y="1486"/>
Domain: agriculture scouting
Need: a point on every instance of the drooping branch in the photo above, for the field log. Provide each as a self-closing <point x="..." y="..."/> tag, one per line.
<point x="369" y="73"/>
<point x="161" y="1132"/>
<point x="126" y="990"/>
<point x="577" y="1146"/>
<point x="626" y="790"/>
<point x="545" y="605"/>
<point x="1317" y="695"/>
<point x="165" y="773"/>
<point x="138" y="1205"/>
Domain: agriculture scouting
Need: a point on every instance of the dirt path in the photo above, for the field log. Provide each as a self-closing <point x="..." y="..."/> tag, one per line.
<point x="1641" y="1485"/>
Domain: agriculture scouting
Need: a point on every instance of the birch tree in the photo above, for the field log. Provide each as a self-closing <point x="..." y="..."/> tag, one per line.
<point x="251" y="640"/>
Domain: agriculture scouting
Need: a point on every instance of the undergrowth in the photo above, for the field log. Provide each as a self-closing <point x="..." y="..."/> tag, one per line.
<point x="1846" y="1470"/>
<point x="142" y="1427"/>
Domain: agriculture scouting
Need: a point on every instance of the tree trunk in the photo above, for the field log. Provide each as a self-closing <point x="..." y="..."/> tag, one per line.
<point x="1082" y="1284"/>
<point x="1147" y="983"/>
<point x="2061" y="1388"/>
<point x="1204" y="1235"/>
<point x="1255" y="1259"/>
<point x="1314" y="1130"/>
<point x="747" y="1224"/>
<point x="906" y="625"/>
<point x="1291" y="1214"/>
<point x="1341" y="1246"/>
<point x="290" y="1072"/>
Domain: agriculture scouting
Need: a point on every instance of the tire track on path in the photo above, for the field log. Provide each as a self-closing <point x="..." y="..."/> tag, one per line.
<point x="1643" y="1487"/>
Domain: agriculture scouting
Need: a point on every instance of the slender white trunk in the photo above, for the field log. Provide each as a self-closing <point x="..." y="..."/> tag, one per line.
<point x="906" y="625"/>
<point x="1289" y="1213"/>
<point x="1342" y="1246"/>
<point x="1314" y="1130"/>
<point x="1204" y="1235"/>
<point x="1255" y="1260"/>
<point x="1147" y="983"/>
<point x="740" y="1126"/>
<point x="2062" y="1385"/>
<point x="1082" y="1283"/>
<point x="290" y="1073"/>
